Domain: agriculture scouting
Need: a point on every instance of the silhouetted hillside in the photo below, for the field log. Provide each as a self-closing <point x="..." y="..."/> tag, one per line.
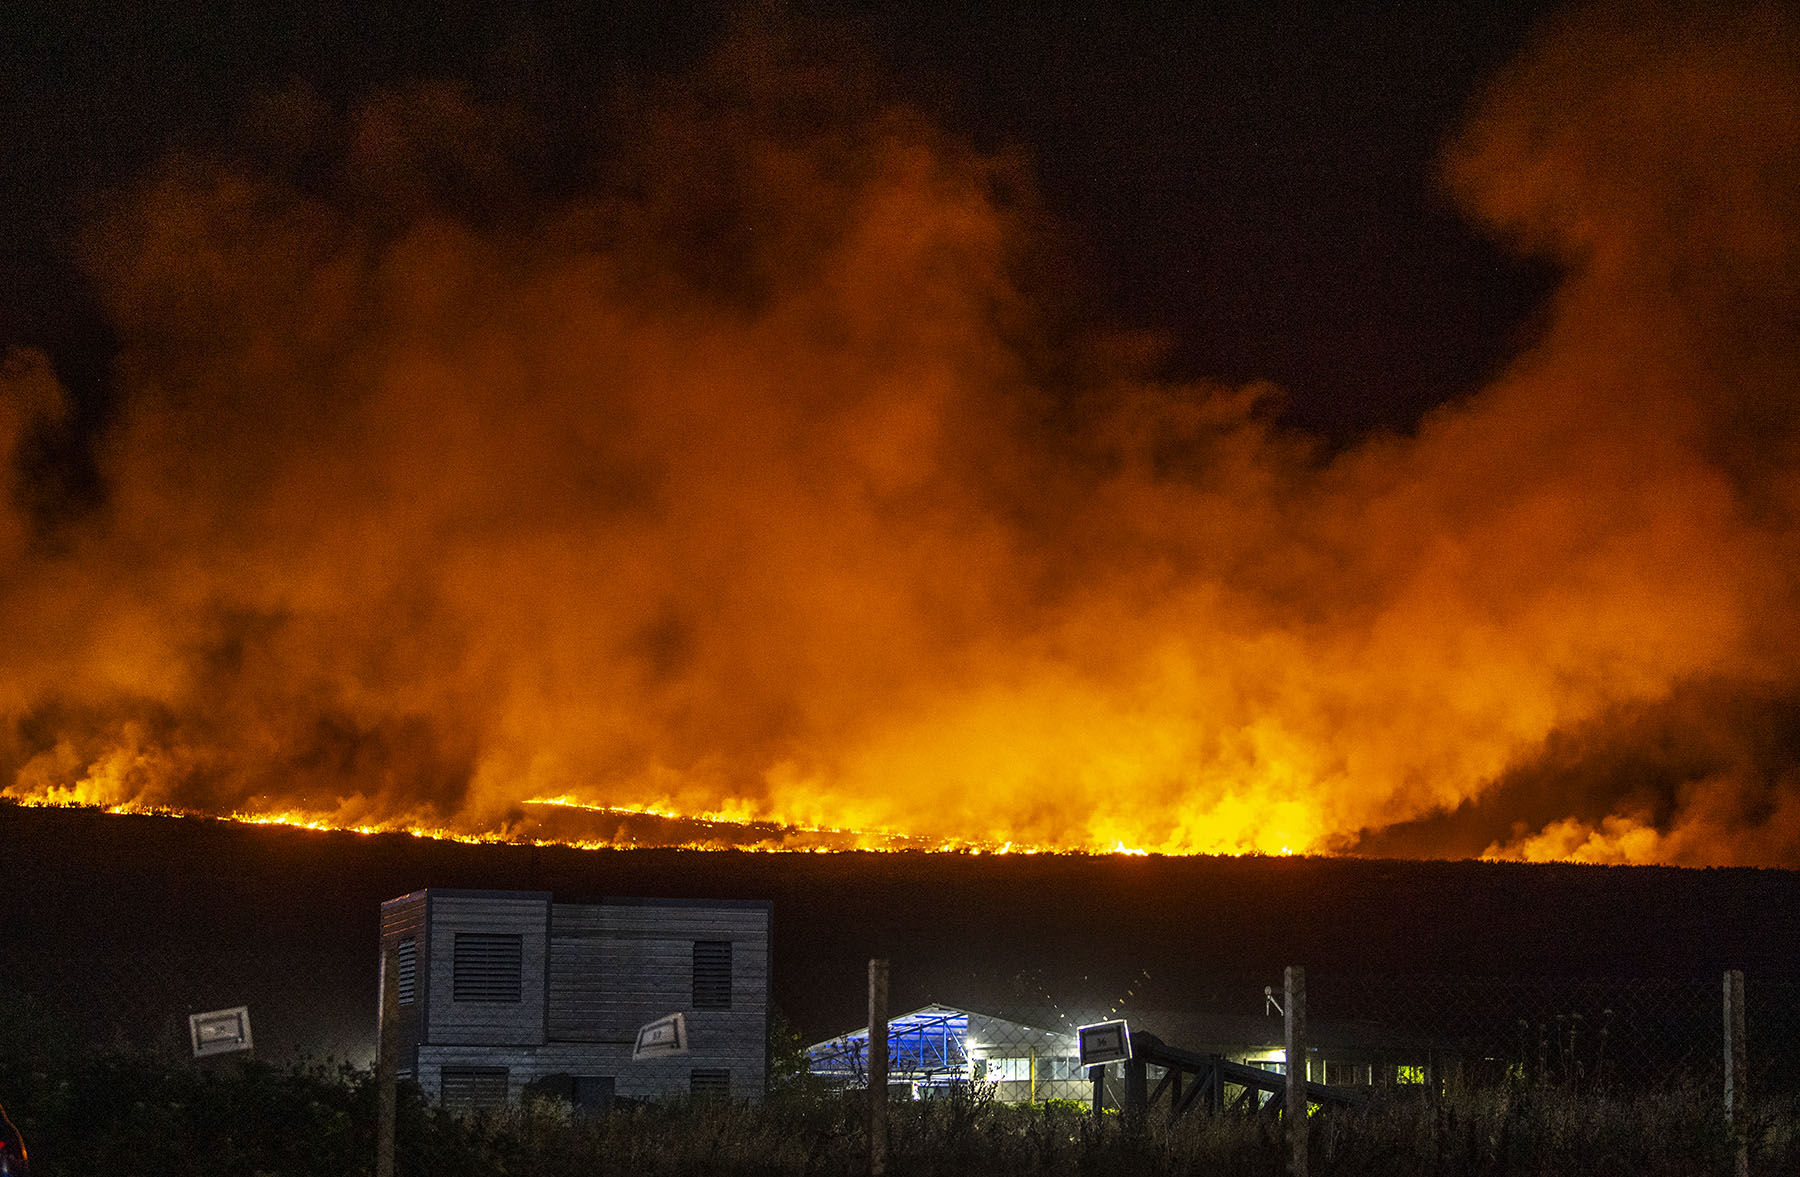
<point x="136" y="921"/>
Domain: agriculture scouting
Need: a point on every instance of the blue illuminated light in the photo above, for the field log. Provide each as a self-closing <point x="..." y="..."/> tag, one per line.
<point x="925" y="1044"/>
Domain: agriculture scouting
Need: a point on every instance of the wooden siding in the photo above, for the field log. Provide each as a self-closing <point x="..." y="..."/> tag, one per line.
<point x="664" y="1079"/>
<point x="600" y="971"/>
<point x="616" y="966"/>
<point x="579" y="1011"/>
<point x="404" y="919"/>
<point x="524" y="914"/>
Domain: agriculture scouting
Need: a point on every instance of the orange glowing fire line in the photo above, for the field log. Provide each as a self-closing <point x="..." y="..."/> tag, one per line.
<point x="717" y="817"/>
<point x="866" y="840"/>
<point x="949" y="845"/>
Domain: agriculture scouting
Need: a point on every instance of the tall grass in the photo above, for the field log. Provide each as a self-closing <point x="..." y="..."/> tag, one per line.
<point x="123" y="1112"/>
<point x="1670" y="1133"/>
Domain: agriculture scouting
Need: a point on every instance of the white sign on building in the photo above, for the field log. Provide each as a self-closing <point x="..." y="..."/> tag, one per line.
<point x="661" y="1038"/>
<point x="223" y="1031"/>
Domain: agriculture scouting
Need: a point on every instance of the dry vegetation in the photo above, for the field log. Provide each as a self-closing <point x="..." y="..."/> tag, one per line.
<point x="130" y="1112"/>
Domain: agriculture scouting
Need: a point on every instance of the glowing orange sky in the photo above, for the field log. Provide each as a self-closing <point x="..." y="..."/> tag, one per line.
<point x="740" y="491"/>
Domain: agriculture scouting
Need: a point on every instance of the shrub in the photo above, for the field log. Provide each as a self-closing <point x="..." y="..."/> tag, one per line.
<point x="128" y="1112"/>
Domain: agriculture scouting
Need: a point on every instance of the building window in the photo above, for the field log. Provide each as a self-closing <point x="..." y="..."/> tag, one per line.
<point x="488" y="967"/>
<point x="712" y="974"/>
<point x="406" y="969"/>
<point x="473" y="1089"/>
<point x="1010" y="1070"/>
<point x="709" y="1083"/>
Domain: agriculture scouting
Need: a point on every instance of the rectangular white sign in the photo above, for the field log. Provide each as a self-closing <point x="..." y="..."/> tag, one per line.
<point x="661" y="1038"/>
<point x="1104" y="1042"/>
<point x="222" y="1031"/>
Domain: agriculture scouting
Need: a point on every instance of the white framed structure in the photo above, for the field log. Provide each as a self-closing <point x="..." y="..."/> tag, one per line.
<point x="937" y="1046"/>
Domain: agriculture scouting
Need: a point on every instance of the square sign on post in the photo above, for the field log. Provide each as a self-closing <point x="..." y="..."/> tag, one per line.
<point x="1104" y="1042"/>
<point x="223" y="1031"/>
<point x="661" y="1038"/>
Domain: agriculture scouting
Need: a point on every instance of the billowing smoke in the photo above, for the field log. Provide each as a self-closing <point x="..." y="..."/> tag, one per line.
<point x="741" y="460"/>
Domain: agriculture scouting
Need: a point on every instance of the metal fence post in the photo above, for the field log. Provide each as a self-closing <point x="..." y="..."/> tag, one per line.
<point x="1737" y="1071"/>
<point x="1294" y="1010"/>
<point x="878" y="1066"/>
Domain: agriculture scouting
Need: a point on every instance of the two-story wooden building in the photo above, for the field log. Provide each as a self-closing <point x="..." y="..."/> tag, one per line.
<point x="497" y="990"/>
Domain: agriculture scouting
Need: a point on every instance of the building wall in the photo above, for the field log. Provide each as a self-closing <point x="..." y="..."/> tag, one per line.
<point x="621" y="964"/>
<point x="403" y="921"/>
<point x="487" y="913"/>
<point x="590" y="976"/>
<point x="1022" y="1091"/>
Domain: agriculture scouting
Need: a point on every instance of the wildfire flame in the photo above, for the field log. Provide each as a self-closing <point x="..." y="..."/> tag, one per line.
<point x="753" y="497"/>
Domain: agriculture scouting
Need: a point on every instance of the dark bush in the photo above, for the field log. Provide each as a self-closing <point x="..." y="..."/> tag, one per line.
<point x="130" y="1112"/>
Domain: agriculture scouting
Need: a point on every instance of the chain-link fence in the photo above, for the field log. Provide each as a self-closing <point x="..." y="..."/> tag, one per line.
<point x="1591" y="1034"/>
<point x="1391" y="1030"/>
<point x="142" y="997"/>
<point x="1399" y="1032"/>
<point x="940" y="1049"/>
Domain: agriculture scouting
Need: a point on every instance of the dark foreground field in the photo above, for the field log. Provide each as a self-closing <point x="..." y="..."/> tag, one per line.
<point x="133" y="922"/>
<point x="132" y="1114"/>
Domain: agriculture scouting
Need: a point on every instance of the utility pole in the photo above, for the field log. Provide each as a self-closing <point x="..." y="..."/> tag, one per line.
<point x="878" y="1066"/>
<point x="387" y="1046"/>
<point x="1294" y="1009"/>
<point x="1737" y="1071"/>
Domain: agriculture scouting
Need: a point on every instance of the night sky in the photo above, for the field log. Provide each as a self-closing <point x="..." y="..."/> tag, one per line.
<point x="1254" y="184"/>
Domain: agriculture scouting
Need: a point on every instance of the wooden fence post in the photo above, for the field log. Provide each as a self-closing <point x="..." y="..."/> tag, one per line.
<point x="1737" y="1071"/>
<point x="387" y="1046"/>
<point x="878" y="1066"/>
<point x="1294" y="1113"/>
<point x="1137" y="1082"/>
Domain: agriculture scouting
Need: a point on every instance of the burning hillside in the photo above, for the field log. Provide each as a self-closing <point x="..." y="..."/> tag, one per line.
<point x="742" y="474"/>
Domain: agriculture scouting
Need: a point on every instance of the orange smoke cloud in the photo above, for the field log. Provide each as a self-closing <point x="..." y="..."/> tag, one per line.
<point x="732" y="481"/>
